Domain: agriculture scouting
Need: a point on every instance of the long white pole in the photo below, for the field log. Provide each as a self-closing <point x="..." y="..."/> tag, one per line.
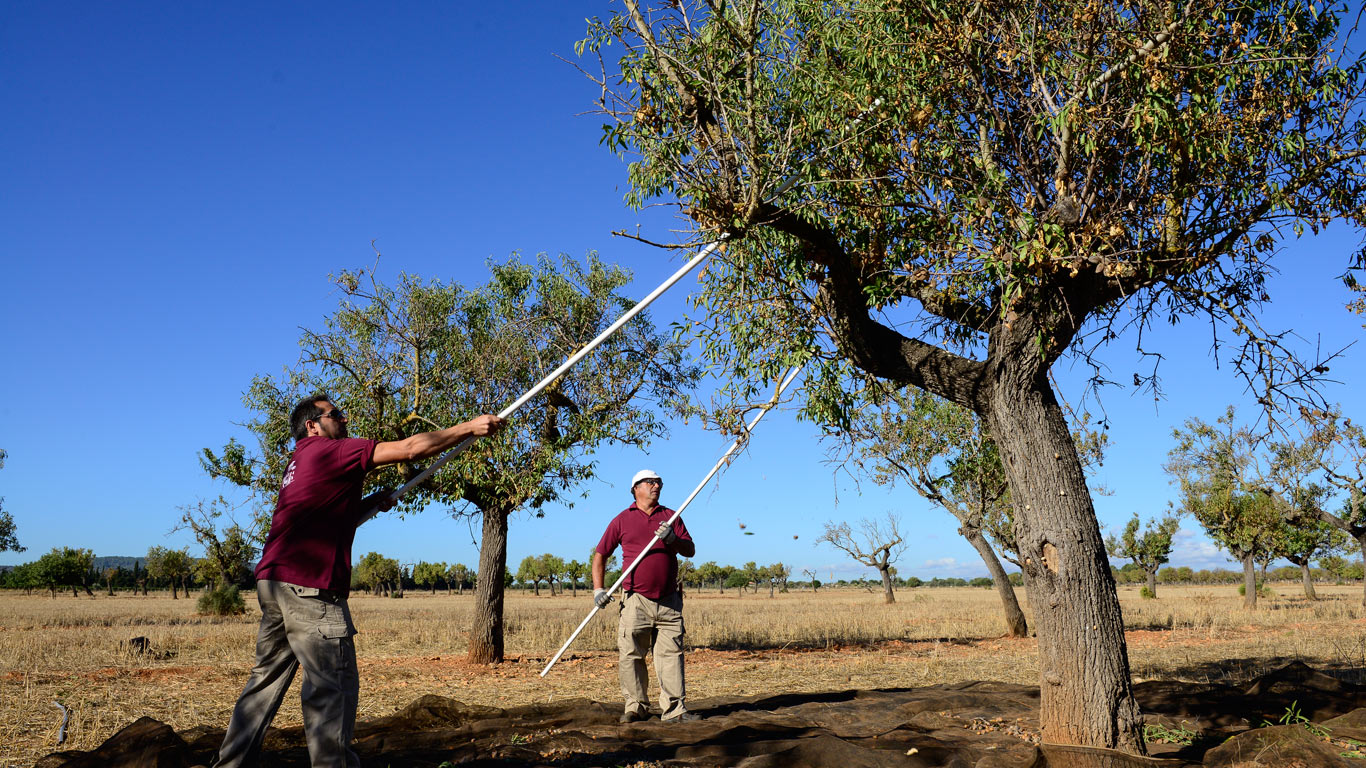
<point x="735" y="446"/>
<point x="557" y="373"/>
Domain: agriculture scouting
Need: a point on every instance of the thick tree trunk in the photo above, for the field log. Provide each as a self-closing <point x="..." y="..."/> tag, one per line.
<point x="1015" y="618"/>
<point x="1086" y="696"/>
<point x="1309" y="592"/>
<point x="486" y="629"/>
<point x="888" y="596"/>
<point x="1152" y="582"/>
<point x="174" y="591"/>
<point x="1361" y="542"/>
<point x="1249" y="583"/>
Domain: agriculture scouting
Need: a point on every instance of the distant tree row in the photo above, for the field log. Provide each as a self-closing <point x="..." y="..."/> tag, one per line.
<point x="226" y="562"/>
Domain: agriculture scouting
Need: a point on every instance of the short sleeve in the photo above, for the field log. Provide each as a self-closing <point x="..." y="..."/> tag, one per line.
<point x="610" y="538"/>
<point x="354" y="454"/>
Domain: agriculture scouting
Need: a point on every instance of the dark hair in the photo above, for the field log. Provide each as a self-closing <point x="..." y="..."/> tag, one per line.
<point x="307" y="410"/>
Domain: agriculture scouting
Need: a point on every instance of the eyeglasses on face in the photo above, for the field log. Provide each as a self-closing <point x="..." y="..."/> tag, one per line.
<point x="336" y="414"/>
<point x="652" y="481"/>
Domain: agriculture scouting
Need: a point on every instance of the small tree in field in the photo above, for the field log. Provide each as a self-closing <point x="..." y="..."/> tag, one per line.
<point x="377" y="573"/>
<point x="1149" y="550"/>
<point x="810" y="574"/>
<point x="1305" y="539"/>
<point x="1213" y="465"/>
<point x="1335" y="448"/>
<point x="529" y="572"/>
<point x="552" y="568"/>
<point x="459" y="574"/>
<point x="877" y="544"/>
<point x="573" y="571"/>
<point x="229" y="550"/>
<point x="9" y="541"/>
<point x="427" y="574"/>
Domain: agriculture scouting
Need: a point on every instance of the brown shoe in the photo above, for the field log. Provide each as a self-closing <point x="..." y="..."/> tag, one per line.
<point x="633" y="717"/>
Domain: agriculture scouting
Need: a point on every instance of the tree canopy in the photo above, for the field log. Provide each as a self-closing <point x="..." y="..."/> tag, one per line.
<point x="9" y="539"/>
<point x="1149" y="550"/>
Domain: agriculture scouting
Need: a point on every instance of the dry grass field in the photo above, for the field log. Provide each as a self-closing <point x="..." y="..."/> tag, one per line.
<point x="73" y="650"/>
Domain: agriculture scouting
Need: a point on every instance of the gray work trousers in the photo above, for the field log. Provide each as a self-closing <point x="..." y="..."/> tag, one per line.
<point x="646" y="623"/>
<point x="300" y="626"/>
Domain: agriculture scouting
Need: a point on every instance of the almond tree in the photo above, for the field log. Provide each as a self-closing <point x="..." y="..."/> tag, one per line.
<point x="377" y="573"/>
<point x="229" y="550"/>
<point x="9" y="541"/>
<point x="1213" y="465"/>
<point x="427" y="574"/>
<point x="877" y="544"/>
<point x="529" y="572"/>
<point x="425" y="353"/>
<point x="1336" y="446"/>
<point x="573" y="570"/>
<point x="458" y="574"/>
<point x="1149" y="550"/>
<point x="552" y="568"/>
<point x="1306" y="539"/>
<point x="955" y="196"/>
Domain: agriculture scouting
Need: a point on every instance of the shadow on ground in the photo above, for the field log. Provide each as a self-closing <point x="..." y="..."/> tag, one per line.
<point x="1292" y="717"/>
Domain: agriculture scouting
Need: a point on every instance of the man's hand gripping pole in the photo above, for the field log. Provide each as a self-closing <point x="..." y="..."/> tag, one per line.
<point x="735" y="446"/>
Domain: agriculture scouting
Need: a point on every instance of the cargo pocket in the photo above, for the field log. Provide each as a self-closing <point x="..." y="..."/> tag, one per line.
<point x="336" y="622"/>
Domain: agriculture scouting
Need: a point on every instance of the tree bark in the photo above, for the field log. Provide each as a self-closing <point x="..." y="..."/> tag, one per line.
<point x="1152" y="583"/>
<point x="1086" y="696"/>
<point x="1361" y="542"/>
<point x="1015" y="618"/>
<point x="888" y="596"/>
<point x="1249" y="583"/>
<point x="1309" y="592"/>
<point x="486" y="628"/>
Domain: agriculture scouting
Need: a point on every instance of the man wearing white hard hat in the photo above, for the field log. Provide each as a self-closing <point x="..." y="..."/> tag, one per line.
<point x="652" y="599"/>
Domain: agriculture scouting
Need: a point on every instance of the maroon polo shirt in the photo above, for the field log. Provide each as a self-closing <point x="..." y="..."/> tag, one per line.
<point x="657" y="575"/>
<point x="316" y="516"/>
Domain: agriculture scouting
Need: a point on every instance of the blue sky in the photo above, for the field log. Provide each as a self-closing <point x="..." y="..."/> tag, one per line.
<point x="179" y="180"/>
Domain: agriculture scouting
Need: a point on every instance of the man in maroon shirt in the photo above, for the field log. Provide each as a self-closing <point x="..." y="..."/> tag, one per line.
<point x="304" y="577"/>
<point x="652" y="602"/>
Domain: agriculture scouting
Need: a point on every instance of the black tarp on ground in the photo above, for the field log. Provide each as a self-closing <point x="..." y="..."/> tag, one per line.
<point x="964" y="725"/>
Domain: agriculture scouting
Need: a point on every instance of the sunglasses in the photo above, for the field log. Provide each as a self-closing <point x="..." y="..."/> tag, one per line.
<point x="336" y="414"/>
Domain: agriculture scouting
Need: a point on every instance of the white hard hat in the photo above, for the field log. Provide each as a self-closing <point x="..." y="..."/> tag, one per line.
<point x="645" y="474"/>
